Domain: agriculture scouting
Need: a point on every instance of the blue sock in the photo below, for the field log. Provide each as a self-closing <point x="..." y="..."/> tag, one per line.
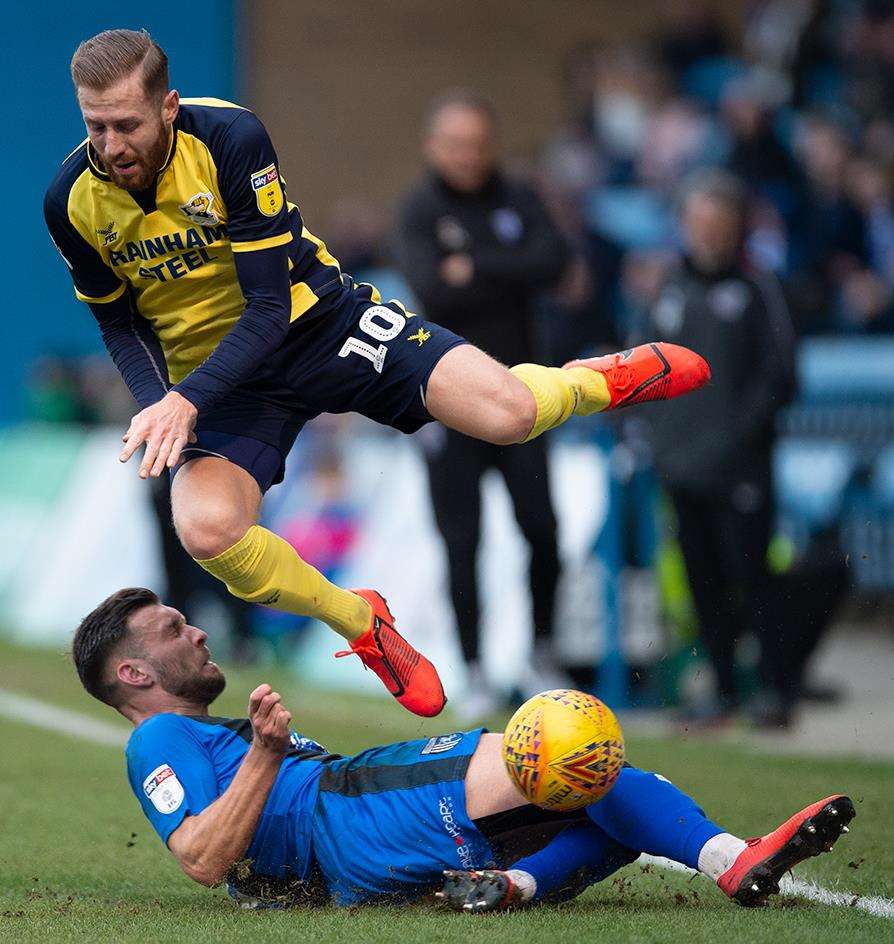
<point x="646" y="812"/>
<point x="578" y="856"/>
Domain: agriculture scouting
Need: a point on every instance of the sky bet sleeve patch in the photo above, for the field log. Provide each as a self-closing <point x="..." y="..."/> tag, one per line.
<point x="164" y="789"/>
<point x="268" y="191"/>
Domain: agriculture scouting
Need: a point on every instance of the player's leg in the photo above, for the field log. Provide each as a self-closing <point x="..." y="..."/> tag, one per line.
<point x="578" y="856"/>
<point x="645" y="812"/>
<point x="474" y="394"/>
<point x="215" y="504"/>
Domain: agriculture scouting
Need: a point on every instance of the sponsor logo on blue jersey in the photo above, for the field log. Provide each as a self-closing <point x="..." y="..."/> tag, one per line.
<point x="442" y="743"/>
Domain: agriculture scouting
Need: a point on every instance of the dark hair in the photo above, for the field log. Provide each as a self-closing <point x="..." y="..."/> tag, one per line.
<point x="100" y="632"/>
<point x="112" y="55"/>
<point x="461" y="98"/>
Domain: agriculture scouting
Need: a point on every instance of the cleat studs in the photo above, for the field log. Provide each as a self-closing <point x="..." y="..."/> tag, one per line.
<point x="833" y="811"/>
<point x="811" y="828"/>
<point x="467" y="906"/>
<point x="845" y="829"/>
<point x="755" y="887"/>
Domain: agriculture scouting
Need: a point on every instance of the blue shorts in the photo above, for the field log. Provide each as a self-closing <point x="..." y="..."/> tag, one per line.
<point x="348" y="354"/>
<point x="389" y="820"/>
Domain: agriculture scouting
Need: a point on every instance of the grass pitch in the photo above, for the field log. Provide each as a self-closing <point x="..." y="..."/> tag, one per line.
<point x="78" y="862"/>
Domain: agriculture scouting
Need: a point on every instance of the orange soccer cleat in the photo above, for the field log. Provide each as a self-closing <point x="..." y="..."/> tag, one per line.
<point x="406" y="673"/>
<point x="655" y="371"/>
<point x="758" y="868"/>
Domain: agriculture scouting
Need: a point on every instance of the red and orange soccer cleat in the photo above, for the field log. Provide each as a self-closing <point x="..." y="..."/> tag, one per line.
<point x="655" y="371"/>
<point x="406" y="673"/>
<point x="755" y="874"/>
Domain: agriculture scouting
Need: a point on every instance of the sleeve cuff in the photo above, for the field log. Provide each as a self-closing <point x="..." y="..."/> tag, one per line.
<point x="192" y="393"/>
<point x="252" y="245"/>
<point x="102" y="299"/>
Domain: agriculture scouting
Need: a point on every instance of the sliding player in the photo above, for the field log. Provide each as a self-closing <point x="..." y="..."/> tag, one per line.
<point x="285" y="821"/>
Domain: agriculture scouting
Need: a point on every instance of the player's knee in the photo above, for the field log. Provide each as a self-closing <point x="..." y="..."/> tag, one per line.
<point x="514" y="412"/>
<point x="207" y="530"/>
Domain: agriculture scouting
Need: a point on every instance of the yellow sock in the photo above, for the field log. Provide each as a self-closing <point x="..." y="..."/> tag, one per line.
<point x="263" y="568"/>
<point x="558" y="393"/>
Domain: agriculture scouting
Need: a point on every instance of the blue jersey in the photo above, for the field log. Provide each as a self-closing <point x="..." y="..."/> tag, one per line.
<point x="178" y="765"/>
<point x="381" y="823"/>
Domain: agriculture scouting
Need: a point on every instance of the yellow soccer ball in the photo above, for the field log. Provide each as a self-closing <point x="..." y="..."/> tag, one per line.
<point x="563" y="749"/>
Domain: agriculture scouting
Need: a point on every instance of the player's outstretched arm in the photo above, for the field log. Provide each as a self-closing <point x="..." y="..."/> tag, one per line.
<point x="209" y="844"/>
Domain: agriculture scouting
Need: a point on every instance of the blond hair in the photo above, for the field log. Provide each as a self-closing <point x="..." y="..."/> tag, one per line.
<point x="108" y="57"/>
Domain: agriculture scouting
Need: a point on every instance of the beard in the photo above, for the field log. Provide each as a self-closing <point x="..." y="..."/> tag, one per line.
<point x="201" y="686"/>
<point x="147" y="165"/>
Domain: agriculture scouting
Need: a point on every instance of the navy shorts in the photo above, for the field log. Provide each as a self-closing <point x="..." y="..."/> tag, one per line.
<point x="354" y="355"/>
<point x="389" y="820"/>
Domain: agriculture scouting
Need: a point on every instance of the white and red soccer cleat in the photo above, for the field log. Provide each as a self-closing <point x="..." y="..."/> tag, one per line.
<point x="404" y="671"/>
<point x="755" y="874"/>
<point x="655" y="371"/>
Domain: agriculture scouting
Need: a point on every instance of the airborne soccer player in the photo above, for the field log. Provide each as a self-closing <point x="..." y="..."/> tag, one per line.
<point x="233" y="326"/>
<point x="252" y="802"/>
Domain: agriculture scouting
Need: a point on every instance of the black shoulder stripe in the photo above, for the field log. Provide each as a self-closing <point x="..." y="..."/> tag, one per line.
<point x="242" y="727"/>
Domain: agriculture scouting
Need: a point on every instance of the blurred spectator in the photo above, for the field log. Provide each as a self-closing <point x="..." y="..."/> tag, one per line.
<point x="756" y="153"/>
<point x="475" y="246"/>
<point x="869" y="297"/>
<point x="713" y="449"/>
<point x="629" y="87"/>
<point x="871" y="65"/>
<point x="830" y="241"/>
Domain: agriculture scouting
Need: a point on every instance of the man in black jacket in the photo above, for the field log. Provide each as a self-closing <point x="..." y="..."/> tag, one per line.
<point x="713" y="450"/>
<point x="476" y="246"/>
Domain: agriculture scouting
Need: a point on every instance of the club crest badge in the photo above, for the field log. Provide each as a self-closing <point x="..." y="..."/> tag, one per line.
<point x="268" y="190"/>
<point x="200" y="209"/>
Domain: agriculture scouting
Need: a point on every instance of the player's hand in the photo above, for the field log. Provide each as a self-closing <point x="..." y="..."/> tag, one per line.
<point x="269" y="720"/>
<point x="165" y="427"/>
<point x="457" y="269"/>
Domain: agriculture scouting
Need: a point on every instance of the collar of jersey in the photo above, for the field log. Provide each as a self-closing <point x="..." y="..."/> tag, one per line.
<point x="96" y="166"/>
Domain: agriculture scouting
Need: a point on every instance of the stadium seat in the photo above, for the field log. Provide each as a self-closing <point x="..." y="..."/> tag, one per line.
<point x="631" y="217"/>
<point x="811" y="480"/>
<point x="883" y="479"/>
<point x="837" y="369"/>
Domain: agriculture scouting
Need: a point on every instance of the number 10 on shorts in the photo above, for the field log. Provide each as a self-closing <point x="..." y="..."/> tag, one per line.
<point x="378" y="332"/>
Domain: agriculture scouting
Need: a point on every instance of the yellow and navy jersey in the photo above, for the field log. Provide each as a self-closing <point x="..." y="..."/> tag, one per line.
<point x="220" y="192"/>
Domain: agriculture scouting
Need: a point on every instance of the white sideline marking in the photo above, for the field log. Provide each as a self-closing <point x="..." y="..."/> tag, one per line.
<point x="61" y="720"/>
<point x="798" y="888"/>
